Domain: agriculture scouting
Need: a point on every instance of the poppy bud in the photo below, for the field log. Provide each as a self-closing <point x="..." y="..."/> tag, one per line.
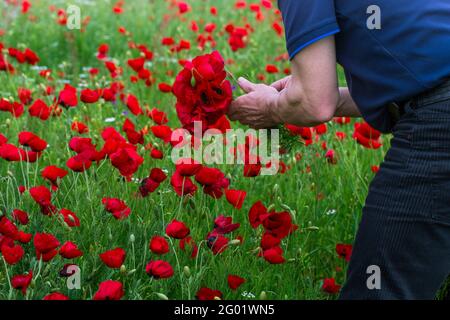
<point x="263" y="295"/>
<point x="131" y="272"/>
<point x="132" y="238"/>
<point x="187" y="271"/>
<point x="235" y="242"/>
<point x="312" y="228"/>
<point x="162" y="296"/>
<point x="271" y="208"/>
<point x="123" y="269"/>
<point x="217" y="298"/>
<point x="8" y="122"/>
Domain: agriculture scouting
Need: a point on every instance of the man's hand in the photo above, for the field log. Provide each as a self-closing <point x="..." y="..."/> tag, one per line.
<point x="307" y="98"/>
<point x="256" y="107"/>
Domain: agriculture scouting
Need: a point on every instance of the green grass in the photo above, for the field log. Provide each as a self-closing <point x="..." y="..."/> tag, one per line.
<point x="311" y="254"/>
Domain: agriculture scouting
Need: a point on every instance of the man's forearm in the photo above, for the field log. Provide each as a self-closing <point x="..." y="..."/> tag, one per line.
<point x="346" y="106"/>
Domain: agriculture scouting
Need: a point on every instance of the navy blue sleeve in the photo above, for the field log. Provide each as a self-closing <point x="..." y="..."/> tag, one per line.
<point x="307" y="21"/>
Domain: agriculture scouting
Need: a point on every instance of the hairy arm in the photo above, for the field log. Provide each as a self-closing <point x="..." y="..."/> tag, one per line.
<point x="311" y="95"/>
<point x="308" y="97"/>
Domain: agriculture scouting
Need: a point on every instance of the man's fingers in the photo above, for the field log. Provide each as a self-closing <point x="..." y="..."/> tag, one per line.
<point x="236" y="108"/>
<point x="246" y="85"/>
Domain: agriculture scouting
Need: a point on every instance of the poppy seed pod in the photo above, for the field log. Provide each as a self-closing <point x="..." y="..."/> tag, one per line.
<point x="187" y="271"/>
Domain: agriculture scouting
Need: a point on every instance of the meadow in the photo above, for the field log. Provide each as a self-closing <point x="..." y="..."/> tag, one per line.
<point x="60" y="217"/>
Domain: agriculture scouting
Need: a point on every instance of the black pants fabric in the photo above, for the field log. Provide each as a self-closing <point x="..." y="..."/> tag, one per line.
<point x="405" y="227"/>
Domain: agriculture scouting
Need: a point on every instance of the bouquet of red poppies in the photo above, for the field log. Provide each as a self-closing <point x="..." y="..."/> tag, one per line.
<point x="202" y="91"/>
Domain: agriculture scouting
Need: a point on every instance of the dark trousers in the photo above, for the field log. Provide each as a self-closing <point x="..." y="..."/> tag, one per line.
<point x="405" y="227"/>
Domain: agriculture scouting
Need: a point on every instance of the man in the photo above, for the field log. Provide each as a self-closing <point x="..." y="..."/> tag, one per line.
<point x="396" y="57"/>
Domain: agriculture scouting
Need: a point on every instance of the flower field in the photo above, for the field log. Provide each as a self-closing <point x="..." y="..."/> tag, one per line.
<point x="92" y="204"/>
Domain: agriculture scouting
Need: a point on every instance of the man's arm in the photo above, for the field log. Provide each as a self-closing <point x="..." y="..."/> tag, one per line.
<point x="309" y="97"/>
<point x="312" y="96"/>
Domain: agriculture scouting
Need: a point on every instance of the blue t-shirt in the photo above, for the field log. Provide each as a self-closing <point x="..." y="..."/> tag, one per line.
<point x="404" y="53"/>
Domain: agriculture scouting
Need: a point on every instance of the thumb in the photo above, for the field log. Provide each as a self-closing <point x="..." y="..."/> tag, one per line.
<point x="246" y="85"/>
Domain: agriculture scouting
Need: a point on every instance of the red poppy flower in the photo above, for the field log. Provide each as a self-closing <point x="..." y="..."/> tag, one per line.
<point x="23" y="237"/>
<point x="164" y="87"/>
<point x="159" y="245"/>
<point x="367" y="136"/>
<point x="45" y="242"/>
<point x="16" y="109"/>
<point x="224" y="225"/>
<point x="31" y="56"/>
<point x="39" y="109"/>
<point x="43" y="197"/>
<point x="79" y="127"/>
<point x="162" y="132"/>
<point x="279" y="224"/>
<point x="217" y="242"/>
<point x="344" y="251"/>
<point x="3" y="139"/>
<point x="20" y="216"/>
<point x="127" y="160"/>
<point x="183" y="7"/>
<point x="68" y="97"/>
<point x="235" y="282"/>
<point x="22" y="281"/>
<point x="117" y="207"/>
<point x="208" y="176"/>
<point x="159" y="269"/>
<point x="252" y="170"/>
<point x="274" y="255"/>
<point x="133" y="105"/>
<point x="134" y="137"/>
<point x="70" y="218"/>
<point x="90" y="96"/>
<point x="8" y="228"/>
<point x="177" y="230"/>
<point x="236" y="197"/>
<point x="183" y="186"/>
<point x="113" y="258"/>
<point x="10" y="152"/>
<point x="187" y="167"/>
<point x="270" y="68"/>
<point x="109" y="290"/>
<point x="24" y="95"/>
<point x="329" y="286"/>
<point x="29" y="139"/>
<point x="213" y="180"/>
<point x="158" y="116"/>
<point x="53" y="174"/>
<point x="55" y="296"/>
<point x="156" y="154"/>
<point x="202" y="92"/>
<point x="69" y="250"/>
<point x="208" y="294"/>
<point x="269" y="241"/>
<point x="12" y="253"/>
<point x="137" y="64"/>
